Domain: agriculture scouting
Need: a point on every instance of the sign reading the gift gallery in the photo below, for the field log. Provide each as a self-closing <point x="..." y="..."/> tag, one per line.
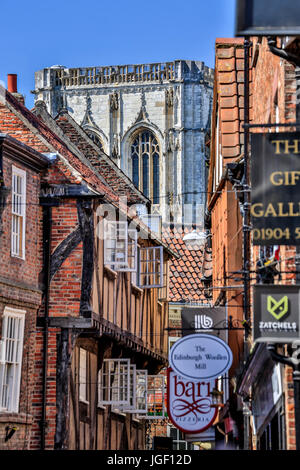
<point x="267" y="18"/>
<point x="200" y="357"/>
<point x="276" y="313"/>
<point x="190" y="403"/>
<point x="275" y="188"/>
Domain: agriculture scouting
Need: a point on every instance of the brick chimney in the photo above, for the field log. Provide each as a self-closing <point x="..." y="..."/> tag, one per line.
<point x="12" y="87"/>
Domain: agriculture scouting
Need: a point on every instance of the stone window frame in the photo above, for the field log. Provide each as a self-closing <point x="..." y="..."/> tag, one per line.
<point x="143" y="149"/>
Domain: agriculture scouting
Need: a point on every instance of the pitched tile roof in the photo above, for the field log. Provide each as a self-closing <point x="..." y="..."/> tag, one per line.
<point x="33" y="131"/>
<point x="112" y="174"/>
<point x="188" y="271"/>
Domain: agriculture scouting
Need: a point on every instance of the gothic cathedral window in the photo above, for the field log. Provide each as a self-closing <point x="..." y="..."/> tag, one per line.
<point x="145" y="164"/>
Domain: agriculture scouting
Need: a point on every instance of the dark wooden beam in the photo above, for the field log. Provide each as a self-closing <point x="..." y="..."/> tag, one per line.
<point x="62" y="390"/>
<point x="64" y="250"/>
<point x="86" y="224"/>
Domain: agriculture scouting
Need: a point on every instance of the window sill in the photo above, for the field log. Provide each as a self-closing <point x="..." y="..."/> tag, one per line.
<point x="17" y="257"/>
<point x="13" y="417"/>
<point x="118" y="412"/>
<point x="136" y="290"/>
<point x="84" y="401"/>
<point x="101" y="407"/>
<point x="110" y="272"/>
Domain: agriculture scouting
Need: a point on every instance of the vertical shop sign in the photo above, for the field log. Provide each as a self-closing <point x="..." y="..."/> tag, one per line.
<point x="275" y="188"/>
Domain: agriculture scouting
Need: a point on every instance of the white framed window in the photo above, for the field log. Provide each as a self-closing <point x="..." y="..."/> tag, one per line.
<point x="156" y="398"/>
<point x="132" y="391"/>
<point x="141" y="391"/>
<point x="83" y="374"/>
<point x="115" y="244"/>
<point x="114" y="383"/>
<point x="138" y="391"/>
<point x="131" y="265"/>
<point x="120" y="246"/>
<point x="179" y="442"/>
<point x="135" y="275"/>
<point x="18" y="212"/>
<point x="11" y="358"/>
<point x="151" y="265"/>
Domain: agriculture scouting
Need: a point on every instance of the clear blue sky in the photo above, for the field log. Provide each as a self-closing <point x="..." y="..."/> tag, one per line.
<point x="36" y="34"/>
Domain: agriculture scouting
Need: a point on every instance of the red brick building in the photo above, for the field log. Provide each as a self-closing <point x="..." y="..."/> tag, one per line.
<point x="20" y="291"/>
<point x="223" y="211"/>
<point x="260" y="411"/>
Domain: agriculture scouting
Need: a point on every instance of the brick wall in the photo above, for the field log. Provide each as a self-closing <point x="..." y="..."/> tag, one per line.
<point x="65" y="287"/>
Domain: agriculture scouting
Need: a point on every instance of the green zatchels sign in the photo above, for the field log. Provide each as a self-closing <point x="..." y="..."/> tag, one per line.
<point x="275" y="188"/>
<point x="276" y="313"/>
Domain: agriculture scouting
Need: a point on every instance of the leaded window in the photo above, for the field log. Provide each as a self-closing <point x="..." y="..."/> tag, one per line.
<point x="151" y="269"/>
<point x="156" y="398"/>
<point x="145" y="164"/>
<point x="114" y="383"/>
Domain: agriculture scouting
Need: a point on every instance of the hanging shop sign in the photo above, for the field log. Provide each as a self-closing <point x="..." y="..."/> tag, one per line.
<point x="265" y="18"/>
<point x="200" y="356"/>
<point x="275" y="188"/>
<point x="276" y="313"/>
<point x="190" y="403"/>
<point x="210" y="320"/>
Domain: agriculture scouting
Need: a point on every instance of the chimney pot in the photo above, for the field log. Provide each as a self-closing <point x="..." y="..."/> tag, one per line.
<point x="12" y="83"/>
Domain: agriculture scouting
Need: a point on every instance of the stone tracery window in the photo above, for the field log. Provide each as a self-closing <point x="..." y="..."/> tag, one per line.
<point x="145" y="164"/>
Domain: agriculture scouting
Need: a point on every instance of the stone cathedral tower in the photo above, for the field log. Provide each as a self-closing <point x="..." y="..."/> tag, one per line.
<point x="152" y="119"/>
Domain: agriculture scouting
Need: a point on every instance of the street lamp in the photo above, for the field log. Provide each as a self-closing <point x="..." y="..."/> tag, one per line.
<point x="217" y="398"/>
<point x="195" y="240"/>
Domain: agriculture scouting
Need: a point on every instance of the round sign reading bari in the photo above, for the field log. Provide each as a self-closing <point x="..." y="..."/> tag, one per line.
<point x="200" y="356"/>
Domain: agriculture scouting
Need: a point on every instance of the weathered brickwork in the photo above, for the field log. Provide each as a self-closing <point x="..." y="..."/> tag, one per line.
<point x="20" y="285"/>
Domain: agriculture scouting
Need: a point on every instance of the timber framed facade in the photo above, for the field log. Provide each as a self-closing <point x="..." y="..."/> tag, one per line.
<point x="93" y="313"/>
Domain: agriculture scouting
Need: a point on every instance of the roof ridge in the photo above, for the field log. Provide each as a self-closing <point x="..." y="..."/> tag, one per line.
<point x="102" y="154"/>
<point x="49" y="137"/>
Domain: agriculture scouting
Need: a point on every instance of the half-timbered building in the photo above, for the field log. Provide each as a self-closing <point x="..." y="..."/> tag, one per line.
<point x="101" y="333"/>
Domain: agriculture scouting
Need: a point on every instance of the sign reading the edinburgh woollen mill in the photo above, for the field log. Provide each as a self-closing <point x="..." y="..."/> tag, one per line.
<point x="200" y="356"/>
